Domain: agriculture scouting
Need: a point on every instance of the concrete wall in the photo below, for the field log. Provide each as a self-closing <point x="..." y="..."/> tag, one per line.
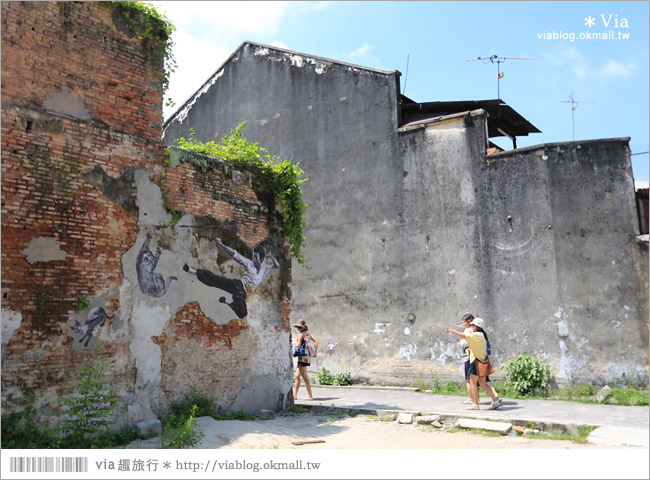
<point x="408" y="230"/>
<point x="339" y="122"/>
<point x="87" y="194"/>
<point x="563" y="253"/>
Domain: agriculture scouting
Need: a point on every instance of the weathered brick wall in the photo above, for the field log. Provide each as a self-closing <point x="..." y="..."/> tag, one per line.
<point x="76" y="92"/>
<point x="82" y="165"/>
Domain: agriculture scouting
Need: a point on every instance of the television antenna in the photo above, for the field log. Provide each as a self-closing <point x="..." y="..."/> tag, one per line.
<point x="498" y="60"/>
<point x="574" y="104"/>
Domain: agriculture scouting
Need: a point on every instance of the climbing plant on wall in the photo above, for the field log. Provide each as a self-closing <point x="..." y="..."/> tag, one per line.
<point x="150" y="24"/>
<point x="277" y="177"/>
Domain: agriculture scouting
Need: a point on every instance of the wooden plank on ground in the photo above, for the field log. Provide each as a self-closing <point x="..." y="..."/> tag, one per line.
<point x="305" y="442"/>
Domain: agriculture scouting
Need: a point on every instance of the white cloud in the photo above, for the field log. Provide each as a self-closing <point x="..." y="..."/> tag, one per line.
<point x="197" y="59"/>
<point x="361" y="53"/>
<point x="207" y="33"/>
<point x="614" y="68"/>
<point x="279" y="44"/>
<point x="563" y="55"/>
<point x="224" y="19"/>
<point x="571" y="57"/>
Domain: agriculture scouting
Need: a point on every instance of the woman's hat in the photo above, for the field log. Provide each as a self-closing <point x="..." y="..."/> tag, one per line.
<point x="300" y="324"/>
<point x="478" y="322"/>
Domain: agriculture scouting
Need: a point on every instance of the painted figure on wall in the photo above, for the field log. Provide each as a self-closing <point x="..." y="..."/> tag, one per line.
<point x="96" y="317"/>
<point x="255" y="272"/>
<point x="151" y="283"/>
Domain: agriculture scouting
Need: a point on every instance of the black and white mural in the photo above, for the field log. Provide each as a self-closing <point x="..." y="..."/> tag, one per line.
<point x="96" y="317"/>
<point x="152" y="284"/>
<point x="255" y="271"/>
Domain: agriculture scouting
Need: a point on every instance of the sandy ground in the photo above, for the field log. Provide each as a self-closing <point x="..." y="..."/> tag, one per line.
<point x="344" y="432"/>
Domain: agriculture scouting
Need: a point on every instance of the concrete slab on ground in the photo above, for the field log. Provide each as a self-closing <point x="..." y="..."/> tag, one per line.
<point x="626" y="425"/>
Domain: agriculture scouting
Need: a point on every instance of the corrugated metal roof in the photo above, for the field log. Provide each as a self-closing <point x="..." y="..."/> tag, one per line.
<point x="431" y="119"/>
<point x="503" y="120"/>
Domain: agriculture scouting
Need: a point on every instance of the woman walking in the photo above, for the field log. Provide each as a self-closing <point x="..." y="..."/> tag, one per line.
<point x="477" y="341"/>
<point x="303" y="360"/>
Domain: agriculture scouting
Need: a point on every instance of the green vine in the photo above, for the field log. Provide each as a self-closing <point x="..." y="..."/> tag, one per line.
<point x="279" y="178"/>
<point x="166" y="198"/>
<point x="150" y="24"/>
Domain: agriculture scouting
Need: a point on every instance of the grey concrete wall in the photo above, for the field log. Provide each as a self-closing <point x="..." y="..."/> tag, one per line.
<point x="409" y="230"/>
<point x="562" y="257"/>
<point x="340" y="123"/>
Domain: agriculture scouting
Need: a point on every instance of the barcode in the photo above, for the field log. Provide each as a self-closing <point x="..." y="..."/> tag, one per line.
<point x="48" y="464"/>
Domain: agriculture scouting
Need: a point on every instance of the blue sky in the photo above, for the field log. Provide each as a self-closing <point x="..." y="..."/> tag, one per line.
<point x="610" y="76"/>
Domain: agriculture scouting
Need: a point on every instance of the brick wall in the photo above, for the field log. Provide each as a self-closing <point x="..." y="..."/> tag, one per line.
<point x="80" y="95"/>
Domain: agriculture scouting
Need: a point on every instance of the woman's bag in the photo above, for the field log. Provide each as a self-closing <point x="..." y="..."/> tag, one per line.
<point x="300" y="352"/>
<point x="484" y="368"/>
<point x="311" y="349"/>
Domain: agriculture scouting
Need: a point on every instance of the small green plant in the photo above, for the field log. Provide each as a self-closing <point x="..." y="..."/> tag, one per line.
<point x="82" y="303"/>
<point x="237" y="415"/>
<point x="527" y="374"/>
<point x="43" y="307"/>
<point x="183" y="408"/>
<point x="577" y="435"/>
<point x="420" y="384"/>
<point x="181" y="431"/>
<point x="437" y="388"/>
<point x="587" y="390"/>
<point x="166" y="201"/>
<point x="90" y="408"/>
<point x="629" y="396"/>
<point x="297" y="409"/>
<point x="21" y="430"/>
<point x="275" y="177"/>
<point x="325" y="377"/>
<point x="342" y="379"/>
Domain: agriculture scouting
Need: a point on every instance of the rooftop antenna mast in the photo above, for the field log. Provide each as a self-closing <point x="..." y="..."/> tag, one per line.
<point x="574" y="104"/>
<point x="498" y="60"/>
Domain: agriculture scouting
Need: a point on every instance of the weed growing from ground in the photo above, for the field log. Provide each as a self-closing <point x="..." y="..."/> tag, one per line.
<point x="182" y="431"/>
<point x="325" y="377"/>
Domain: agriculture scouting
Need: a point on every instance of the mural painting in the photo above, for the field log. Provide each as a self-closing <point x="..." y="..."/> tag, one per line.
<point x="96" y="317"/>
<point x="255" y="272"/>
<point x="151" y="283"/>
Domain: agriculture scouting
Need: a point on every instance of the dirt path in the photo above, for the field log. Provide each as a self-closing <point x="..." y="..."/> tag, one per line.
<point x="360" y="432"/>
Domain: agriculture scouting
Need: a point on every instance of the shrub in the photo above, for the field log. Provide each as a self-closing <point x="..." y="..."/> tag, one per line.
<point x="342" y="378"/>
<point x="182" y="431"/>
<point x="325" y="377"/>
<point x="238" y="415"/>
<point x="20" y="430"/>
<point x="90" y="408"/>
<point x="192" y="399"/>
<point x="527" y="374"/>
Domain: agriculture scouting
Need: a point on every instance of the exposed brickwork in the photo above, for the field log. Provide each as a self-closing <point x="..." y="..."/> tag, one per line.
<point x="216" y="372"/>
<point x="190" y="322"/>
<point x="80" y="91"/>
<point x="74" y="49"/>
<point x="211" y="193"/>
